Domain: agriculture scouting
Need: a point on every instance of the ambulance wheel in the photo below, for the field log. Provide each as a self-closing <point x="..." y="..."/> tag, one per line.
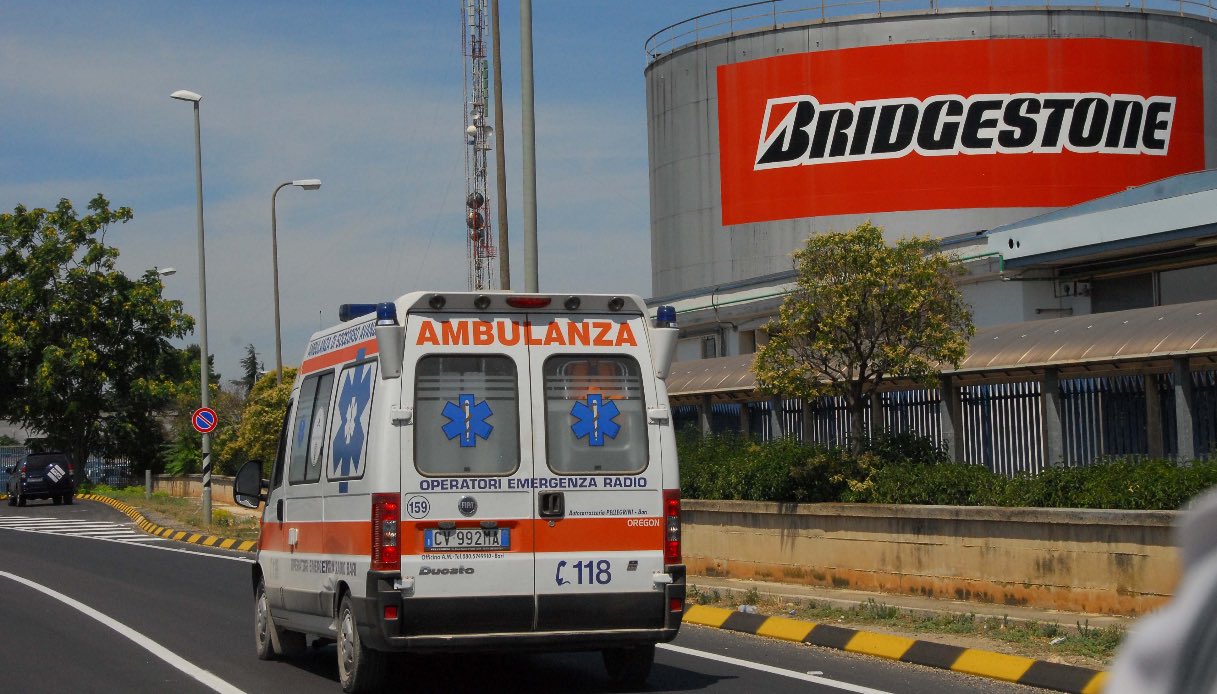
<point x="20" y="500"/>
<point x="360" y="669"/>
<point x="68" y="498"/>
<point x="57" y="500"/>
<point x="270" y="640"/>
<point x="629" y="666"/>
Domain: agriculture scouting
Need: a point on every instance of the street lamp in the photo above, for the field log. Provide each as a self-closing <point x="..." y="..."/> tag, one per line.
<point x="183" y="95"/>
<point x="166" y="271"/>
<point x="307" y="184"/>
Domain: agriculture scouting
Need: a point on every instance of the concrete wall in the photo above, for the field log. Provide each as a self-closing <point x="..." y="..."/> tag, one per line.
<point x="1116" y="562"/>
<point x="192" y="486"/>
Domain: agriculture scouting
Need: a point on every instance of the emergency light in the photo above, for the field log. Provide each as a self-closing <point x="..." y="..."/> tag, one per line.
<point x="347" y="312"/>
<point x="665" y="317"/>
<point x="386" y="313"/>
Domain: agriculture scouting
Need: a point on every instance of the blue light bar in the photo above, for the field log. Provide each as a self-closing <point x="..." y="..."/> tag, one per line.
<point x="665" y="317"/>
<point x="386" y="313"/>
<point x="348" y="311"/>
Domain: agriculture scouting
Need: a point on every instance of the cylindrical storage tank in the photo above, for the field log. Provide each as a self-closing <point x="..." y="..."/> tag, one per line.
<point x="939" y="122"/>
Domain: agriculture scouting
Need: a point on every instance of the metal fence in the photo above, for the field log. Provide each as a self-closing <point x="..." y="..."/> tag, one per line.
<point x="98" y="469"/>
<point x="771" y="14"/>
<point x="1002" y="423"/>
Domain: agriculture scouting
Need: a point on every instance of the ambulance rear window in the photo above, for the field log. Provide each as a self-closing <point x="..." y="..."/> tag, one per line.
<point x="467" y="416"/>
<point x="595" y="415"/>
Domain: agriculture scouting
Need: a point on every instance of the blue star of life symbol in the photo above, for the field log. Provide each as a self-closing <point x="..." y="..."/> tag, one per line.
<point x="595" y="420"/>
<point x="353" y="399"/>
<point x="467" y="420"/>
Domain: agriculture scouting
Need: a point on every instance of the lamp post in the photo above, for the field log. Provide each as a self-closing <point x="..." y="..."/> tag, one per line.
<point x="183" y="95"/>
<point x="307" y="184"/>
<point x="166" y="271"/>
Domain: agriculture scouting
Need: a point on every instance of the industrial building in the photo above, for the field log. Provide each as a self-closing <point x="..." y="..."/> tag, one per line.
<point x="1066" y="154"/>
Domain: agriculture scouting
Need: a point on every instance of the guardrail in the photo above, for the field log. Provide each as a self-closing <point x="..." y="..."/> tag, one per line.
<point x="771" y="14"/>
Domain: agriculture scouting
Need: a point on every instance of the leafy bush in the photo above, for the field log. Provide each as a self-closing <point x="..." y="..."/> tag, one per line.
<point x="909" y="469"/>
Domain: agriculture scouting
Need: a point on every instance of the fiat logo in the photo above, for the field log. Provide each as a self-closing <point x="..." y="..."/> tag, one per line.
<point x="467" y="506"/>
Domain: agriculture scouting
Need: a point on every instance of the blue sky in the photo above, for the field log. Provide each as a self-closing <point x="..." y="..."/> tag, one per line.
<point x="366" y="97"/>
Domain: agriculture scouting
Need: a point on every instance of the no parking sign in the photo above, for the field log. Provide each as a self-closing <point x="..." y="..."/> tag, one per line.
<point x="204" y="420"/>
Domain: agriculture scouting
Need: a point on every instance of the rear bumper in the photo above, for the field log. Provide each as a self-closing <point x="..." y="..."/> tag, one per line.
<point x="41" y="490"/>
<point x="590" y="622"/>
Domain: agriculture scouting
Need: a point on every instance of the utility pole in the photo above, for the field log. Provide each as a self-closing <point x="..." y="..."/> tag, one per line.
<point x="500" y="157"/>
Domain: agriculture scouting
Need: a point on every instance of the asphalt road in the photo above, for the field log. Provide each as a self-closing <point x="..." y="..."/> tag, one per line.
<point x="89" y="606"/>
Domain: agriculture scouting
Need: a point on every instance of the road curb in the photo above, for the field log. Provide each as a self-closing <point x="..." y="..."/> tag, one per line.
<point x="170" y="533"/>
<point x="1010" y="668"/>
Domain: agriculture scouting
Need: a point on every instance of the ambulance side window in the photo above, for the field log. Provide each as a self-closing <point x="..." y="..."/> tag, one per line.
<point x="467" y="415"/>
<point x="595" y="415"/>
<point x="308" y="430"/>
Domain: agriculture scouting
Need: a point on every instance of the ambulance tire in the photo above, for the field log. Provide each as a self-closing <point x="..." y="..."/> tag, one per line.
<point x="360" y="669"/>
<point x="20" y="500"/>
<point x="68" y="499"/>
<point x="629" y="666"/>
<point x="270" y="640"/>
<point x="57" y="500"/>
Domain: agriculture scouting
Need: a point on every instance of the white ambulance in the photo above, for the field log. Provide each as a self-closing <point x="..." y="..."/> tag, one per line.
<point x="475" y="471"/>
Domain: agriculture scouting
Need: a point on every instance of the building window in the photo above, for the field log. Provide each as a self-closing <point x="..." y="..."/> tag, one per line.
<point x="1121" y="293"/>
<point x="709" y="347"/>
<point x="747" y="341"/>
<point x="1187" y="284"/>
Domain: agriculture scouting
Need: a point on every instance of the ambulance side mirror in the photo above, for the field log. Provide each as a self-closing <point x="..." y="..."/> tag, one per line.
<point x="663" y="350"/>
<point x="247" y="486"/>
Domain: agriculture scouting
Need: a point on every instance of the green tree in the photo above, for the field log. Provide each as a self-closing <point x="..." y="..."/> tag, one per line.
<point x="256" y="436"/>
<point x="85" y="347"/>
<point x="862" y="311"/>
<point x="250" y="368"/>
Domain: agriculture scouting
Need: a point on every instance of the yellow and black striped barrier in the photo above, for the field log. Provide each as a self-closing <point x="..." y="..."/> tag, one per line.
<point x="171" y="534"/>
<point x="1011" y="668"/>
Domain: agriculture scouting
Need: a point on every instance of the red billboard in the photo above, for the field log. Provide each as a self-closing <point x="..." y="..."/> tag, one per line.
<point x="954" y="125"/>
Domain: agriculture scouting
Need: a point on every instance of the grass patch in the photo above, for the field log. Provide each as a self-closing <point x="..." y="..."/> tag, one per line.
<point x="1034" y="639"/>
<point x="182" y="513"/>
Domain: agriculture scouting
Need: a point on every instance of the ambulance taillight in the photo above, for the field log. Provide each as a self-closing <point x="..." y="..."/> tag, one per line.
<point x="671" y="517"/>
<point x="386" y="518"/>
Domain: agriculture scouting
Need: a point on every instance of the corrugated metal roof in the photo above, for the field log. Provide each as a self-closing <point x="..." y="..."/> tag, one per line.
<point x="1140" y="340"/>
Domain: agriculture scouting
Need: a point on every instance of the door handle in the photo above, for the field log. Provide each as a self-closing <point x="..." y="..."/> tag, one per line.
<point x="551" y="504"/>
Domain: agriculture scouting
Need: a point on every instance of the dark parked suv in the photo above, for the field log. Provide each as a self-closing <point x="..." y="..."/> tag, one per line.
<point x="41" y="476"/>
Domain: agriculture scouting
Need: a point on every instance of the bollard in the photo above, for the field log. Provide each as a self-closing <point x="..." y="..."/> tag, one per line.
<point x="148" y="484"/>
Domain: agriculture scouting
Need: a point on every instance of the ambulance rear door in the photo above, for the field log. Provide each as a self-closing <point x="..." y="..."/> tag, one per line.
<point x="467" y="506"/>
<point x="598" y="487"/>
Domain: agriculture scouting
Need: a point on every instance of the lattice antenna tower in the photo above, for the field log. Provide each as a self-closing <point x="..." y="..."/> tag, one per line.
<point x="479" y="138"/>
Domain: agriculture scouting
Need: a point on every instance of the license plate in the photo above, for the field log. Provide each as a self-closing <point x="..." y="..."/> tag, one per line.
<point x="459" y="539"/>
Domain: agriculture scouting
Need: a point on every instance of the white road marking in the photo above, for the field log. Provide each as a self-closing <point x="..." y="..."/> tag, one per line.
<point x="68" y="528"/>
<point x="771" y="669"/>
<point x="203" y="676"/>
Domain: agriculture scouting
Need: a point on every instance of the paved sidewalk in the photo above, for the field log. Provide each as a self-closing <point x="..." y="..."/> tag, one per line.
<point x="839" y="597"/>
